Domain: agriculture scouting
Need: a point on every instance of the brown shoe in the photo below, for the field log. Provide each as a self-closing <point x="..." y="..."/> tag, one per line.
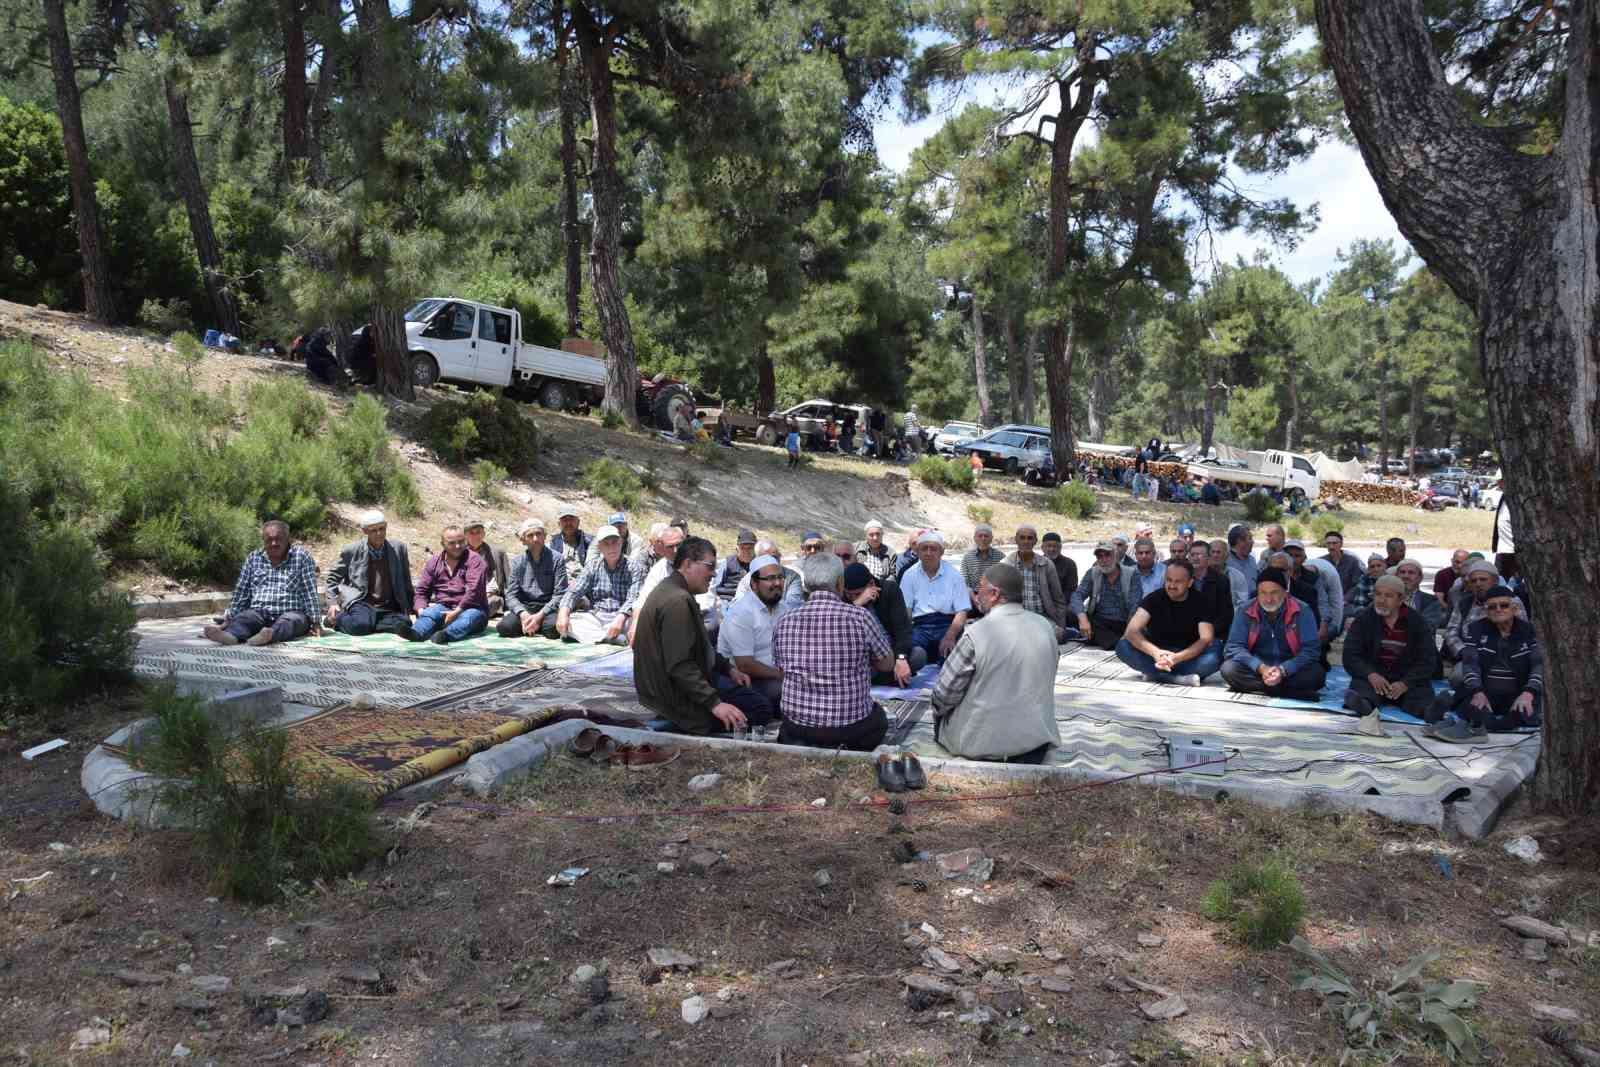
<point x="645" y="756"/>
<point x="583" y="744"/>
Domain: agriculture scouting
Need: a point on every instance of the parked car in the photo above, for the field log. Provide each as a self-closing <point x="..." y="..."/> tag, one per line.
<point x="1453" y="474"/>
<point x="953" y="434"/>
<point x="1009" y="448"/>
<point x="812" y="419"/>
<point x="1446" y="494"/>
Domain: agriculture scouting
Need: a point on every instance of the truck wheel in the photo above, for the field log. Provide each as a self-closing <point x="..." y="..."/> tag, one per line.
<point x="767" y="434"/>
<point x="424" y="370"/>
<point x="553" y="395"/>
<point x="669" y="398"/>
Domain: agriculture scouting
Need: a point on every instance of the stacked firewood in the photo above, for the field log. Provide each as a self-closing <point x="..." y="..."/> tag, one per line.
<point x="1363" y="493"/>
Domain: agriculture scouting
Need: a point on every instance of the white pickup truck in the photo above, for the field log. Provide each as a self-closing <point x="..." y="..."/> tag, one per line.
<point x="459" y="340"/>
<point x="1289" y="472"/>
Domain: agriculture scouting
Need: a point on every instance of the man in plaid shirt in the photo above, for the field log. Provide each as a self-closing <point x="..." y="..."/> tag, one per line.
<point x="275" y="598"/>
<point x="827" y="650"/>
<point x="609" y="586"/>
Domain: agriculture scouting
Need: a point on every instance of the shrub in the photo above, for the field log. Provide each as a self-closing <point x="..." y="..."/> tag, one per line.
<point x="481" y="426"/>
<point x="650" y="477"/>
<point x="165" y="316"/>
<point x="262" y="824"/>
<point x="688" y="479"/>
<point x="1074" y="500"/>
<point x="189" y="349"/>
<point x="1322" y="524"/>
<point x="613" y="482"/>
<point x="486" y="478"/>
<point x="1261" y="903"/>
<point x="955" y="473"/>
<point x="1375" y="1012"/>
<point x="980" y="513"/>
<point x="1294" y="530"/>
<point x="711" y="455"/>
<point x="361" y="439"/>
<point x="611" y="420"/>
<point x="1259" y="507"/>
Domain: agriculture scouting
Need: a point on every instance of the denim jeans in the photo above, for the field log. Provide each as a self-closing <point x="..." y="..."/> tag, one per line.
<point x="285" y="627"/>
<point x="469" y="622"/>
<point x="1205" y="664"/>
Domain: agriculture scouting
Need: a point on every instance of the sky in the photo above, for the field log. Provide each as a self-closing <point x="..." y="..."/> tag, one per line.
<point x="1334" y="178"/>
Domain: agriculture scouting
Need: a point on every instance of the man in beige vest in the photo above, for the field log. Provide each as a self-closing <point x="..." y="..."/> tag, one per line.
<point x="995" y="697"/>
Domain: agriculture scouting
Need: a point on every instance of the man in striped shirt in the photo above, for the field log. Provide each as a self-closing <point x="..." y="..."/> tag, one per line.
<point x="275" y="598"/>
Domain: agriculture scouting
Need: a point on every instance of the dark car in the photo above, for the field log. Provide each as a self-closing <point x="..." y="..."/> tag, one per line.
<point x="1010" y="448"/>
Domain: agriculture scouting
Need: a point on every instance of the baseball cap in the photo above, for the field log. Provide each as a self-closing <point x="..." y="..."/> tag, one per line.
<point x="1105" y="546"/>
<point x="566" y="513"/>
<point x="618" y="519"/>
<point x="528" y="526"/>
<point x="746" y="537"/>
<point x="472" y="524"/>
<point x="1295" y="543"/>
<point x="1185" y="528"/>
<point x="810" y="535"/>
<point x="605" y="532"/>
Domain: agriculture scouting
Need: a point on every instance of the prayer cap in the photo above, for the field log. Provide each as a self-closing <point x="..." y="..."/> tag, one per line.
<point x="1481" y="565"/>
<point x="983" y="527"/>
<point x="873" y="524"/>
<point x="371" y="517"/>
<point x="528" y="526"/>
<point x="930" y="537"/>
<point x="764" y="561"/>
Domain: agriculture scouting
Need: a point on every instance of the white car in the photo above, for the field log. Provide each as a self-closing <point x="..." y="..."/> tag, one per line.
<point x="953" y="434"/>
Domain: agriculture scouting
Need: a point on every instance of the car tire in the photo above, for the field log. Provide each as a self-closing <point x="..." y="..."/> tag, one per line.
<point x="424" y="370"/>
<point x="1012" y="466"/>
<point x="553" y="395"/>
<point x="668" y="399"/>
<point x="767" y="434"/>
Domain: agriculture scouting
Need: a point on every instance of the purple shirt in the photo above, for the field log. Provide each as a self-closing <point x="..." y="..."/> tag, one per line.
<point x="468" y="587"/>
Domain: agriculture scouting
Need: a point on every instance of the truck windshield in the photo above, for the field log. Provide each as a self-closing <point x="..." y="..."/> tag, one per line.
<point x="423" y="310"/>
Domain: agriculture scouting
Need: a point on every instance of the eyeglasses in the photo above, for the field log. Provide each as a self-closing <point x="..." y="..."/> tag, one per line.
<point x="1499" y="605"/>
<point x="772" y="578"/>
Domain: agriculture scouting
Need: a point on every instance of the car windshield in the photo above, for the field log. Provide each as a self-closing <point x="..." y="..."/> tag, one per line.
<point x="423" y="310"/>
<point x="959" y="428"/>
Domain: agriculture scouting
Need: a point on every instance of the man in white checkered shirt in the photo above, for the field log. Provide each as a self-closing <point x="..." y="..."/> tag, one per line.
<point x="275" y="598"/>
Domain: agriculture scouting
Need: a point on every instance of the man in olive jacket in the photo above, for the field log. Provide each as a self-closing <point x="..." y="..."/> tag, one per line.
<point x="677" y="671"/>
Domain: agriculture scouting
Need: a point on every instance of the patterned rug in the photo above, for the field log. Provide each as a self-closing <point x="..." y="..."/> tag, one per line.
<point x="619" y="667"/>
<point x="528" y="653"/>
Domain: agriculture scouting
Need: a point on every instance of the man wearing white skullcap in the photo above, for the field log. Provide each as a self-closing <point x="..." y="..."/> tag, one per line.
<point x="873" y="554"/>
<point x="534" y="590"/>
<point x="937" y="598"/>
<point x="745" y="636"/>
<point x="369" y="589"/>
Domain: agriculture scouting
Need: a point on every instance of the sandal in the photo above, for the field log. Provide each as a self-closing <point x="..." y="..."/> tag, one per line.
<point x="646" y="756"/>
<point x="584" y="743"/>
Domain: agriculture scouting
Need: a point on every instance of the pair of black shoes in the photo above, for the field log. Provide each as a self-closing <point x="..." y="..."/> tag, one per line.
<point x="896" y="774"/>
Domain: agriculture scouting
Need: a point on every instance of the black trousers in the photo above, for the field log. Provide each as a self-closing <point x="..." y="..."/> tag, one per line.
<point x="1416" y="700"/>
<point x="862" y="736"/>
<point x="361" y="619"/>
<point x="1106" y="632"/>
<point x="1304" y="685"/>
<point x="510" y="624"/>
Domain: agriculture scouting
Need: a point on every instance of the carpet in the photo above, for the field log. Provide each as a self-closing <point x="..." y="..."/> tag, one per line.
<point x="526" y="653"/>
<point x="917" y="685"/>
<point x="619" y="667"/>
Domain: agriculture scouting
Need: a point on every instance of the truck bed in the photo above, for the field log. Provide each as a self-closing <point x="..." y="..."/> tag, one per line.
<point x="536" y="361"/>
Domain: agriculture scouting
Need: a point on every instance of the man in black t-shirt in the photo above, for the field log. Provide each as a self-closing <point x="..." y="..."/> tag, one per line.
<point x="1170" y="638"/>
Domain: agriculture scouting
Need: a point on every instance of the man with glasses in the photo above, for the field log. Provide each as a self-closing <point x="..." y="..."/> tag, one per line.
<point x="609" y="586"/>
<point x="1105" y="599"/>
<point x="1041" y="585"/>
<point x="1502" y="672"/>
<point x="745" y="636"/>
<point x="452" y="594"/>
<point x="812" y="542"/>
<point x="1469" y="608"/>
<point x="369" y="589"/>
<point x="1390" y="654"/>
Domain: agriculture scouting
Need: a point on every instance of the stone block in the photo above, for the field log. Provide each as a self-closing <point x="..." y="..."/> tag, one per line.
<point x="489" y="770"/>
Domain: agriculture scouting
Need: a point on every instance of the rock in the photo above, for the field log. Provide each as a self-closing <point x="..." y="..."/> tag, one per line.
<point x="820" y="802"/>
<point x="185" y="969"/>
<point x="1052" y="955"/>
<point x="1062" y="970"/>
<point x="1165" y="1008"/>
<point x="782" y="969"/>
<point x="189" y="1002"/>
<point x="361" y="975"/>
<point x="274" y="942"/>
<point x="211" y="983"/>
<point x="701" y="861"/>
<point x="976" y="1017"/>
<point x="180" y="1051"/>
<point x="702" y="783"/>
<point x="596" y="1016"/>
<point x="822" y="878"/>
<point x="264" y="1015"/>
<point x="1528" y="926"/>
<point x="1051" y="984"/>
<point x="1152" y="940"/>
<point x="665" y="868"/>
<point x="937" y="959"/>
<point x="967" y="863"/>
<point x="599" y="989"/>
<point x="314" y="1008"/>
<point x="725" y="994"/>
<point x="582" y="975"/>
<point x="932" y="932"/>
<point x="138" y="978"/>
<point x="1553" y="1014"/>
<point x="1536" y="949"/>
<point x="672" y="850"/>
<point x="98" y="1032"/>
<point x="1006" y="1000"/>
<point x="670" y="959"/>
<point x="1525" y="848"/>
<point x="694" y="1009"/>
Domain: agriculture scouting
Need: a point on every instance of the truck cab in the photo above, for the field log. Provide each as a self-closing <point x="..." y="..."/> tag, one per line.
<point x="462" y="341"/>
<point x="1292" y="472"/>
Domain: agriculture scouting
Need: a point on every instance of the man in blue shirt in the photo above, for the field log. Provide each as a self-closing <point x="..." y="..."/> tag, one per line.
<point x="937" y="597"/>
<point x="1272" y="645"/>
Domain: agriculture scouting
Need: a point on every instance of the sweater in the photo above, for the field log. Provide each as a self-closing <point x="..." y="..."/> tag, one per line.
<point x="1363" y="651"/>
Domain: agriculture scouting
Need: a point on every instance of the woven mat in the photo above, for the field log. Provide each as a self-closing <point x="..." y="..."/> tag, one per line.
<point x="525" y="653"/>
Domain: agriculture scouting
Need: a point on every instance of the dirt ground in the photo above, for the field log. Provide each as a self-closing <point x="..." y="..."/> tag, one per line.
<point x="452" y="949"/>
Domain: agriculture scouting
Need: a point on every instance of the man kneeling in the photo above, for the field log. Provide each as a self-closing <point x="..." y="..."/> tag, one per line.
<point x="1390" y="654"/>
<point x="1169" y="637"/>
<point x="275" y="598"/>
<point x="995" y="697"/>
<point x="1272" y="645"/>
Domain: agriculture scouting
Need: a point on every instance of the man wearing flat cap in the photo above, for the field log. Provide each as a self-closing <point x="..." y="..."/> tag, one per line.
<point x="731" y="569"/>
<point x="534" y="590"/>
<point x="980" y="557"/>
<point x="1106" y="598"/>
<point x="495" y="558"/>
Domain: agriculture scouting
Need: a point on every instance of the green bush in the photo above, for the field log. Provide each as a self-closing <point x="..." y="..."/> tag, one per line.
<point x="1259" y="507"/>
<point x="650" y="477"/>
<point x="611" y="420"/>
<point x="1294" y="530"/>
<point x="61" y="627"/>
<point x="1322" y="524"/>
<point x="710" y="455"/>
<point x="1261" y="903"/>
<point x="486" y="478"/>
<point x="361" y="439"/>
<point x="955" y="473"/>
<point x="688" y="479"/>
<point x="1074" y="500"/>
<point x="613" y="482"/>
<point x="481" y="426"/>
<point x="980" y="513"/>
<point x="166" y="316"/>
<point x="189" y="349"/>
<point x="263" y="826"/>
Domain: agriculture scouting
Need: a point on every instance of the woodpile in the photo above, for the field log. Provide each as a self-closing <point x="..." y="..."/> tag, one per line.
<point x="1363" y="493"/>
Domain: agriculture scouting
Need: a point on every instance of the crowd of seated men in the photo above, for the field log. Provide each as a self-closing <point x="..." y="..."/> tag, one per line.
<point x="723" y="642"/>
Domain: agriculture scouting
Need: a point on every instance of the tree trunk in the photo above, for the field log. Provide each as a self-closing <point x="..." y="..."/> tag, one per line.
<point x="1014" y="360"/>
<point x="622" y="368"/>
<point x="1513" y="235"/>
<point x="1291" y="426"/>
<point x="317" y="109"/>
<point x="571" y="238"/>
<point x="1414" y="417"/>
<point x="296" y="136"/>
<point x="1383" y="416"/>
<point x="389" y="343"/>
<point x="980" y="362"/>
<point x="186" y="173"/>
<point x="1030" y="397"/>
<point x="1058" y="355"/>
<point x="1208" y="414"/>
<point x="1097" y="405"/>
<point x="98" y="298"/>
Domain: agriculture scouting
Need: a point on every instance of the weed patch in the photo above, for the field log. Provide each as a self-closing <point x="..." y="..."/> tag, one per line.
<point x="487" y="476"/>
<point x="1074" y="500"/>
<point x="1323" y="523"/>
<point x="980" y="513"/>
<point x="481" y="426"/>
<point x="1261" y="903"/>
<point x="1374" y="1013"/>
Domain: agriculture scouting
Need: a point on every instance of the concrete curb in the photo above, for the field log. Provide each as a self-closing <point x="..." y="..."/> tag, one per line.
<point x="177" y="607"/>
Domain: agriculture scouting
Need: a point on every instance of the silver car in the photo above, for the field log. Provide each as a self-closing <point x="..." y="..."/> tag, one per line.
<point x="953" y="434"/>
<point x="1010" y="448"/>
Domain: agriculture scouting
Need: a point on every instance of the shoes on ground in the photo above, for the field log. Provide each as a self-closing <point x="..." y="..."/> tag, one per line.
<point x="911" y="771"/>
<point x="1456" y="731"/>
<point x="891" y="773"/>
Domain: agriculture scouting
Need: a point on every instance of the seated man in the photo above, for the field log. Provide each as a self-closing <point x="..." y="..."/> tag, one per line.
<point x="828" y="650"/>
<point x="1345" y="565"/>
<point x="609" y="586"/>
<point x="883" y="599"/>
<point x="452" y="595"/>
<point x="874" y="554"/>
<point x="980" y="557"/>
<point x="619" y="521"/>
<point x="1066" y="567"/>
<point x="1418" y="599"/>
<point x="664" y="565"/>
<point x="1447" y="577"/>
<point x="676" y="672"/>
<point x="793" y="594"/>
<point x="1169" y="639"/>
<point x="1178" y="548"/>
<point x="499" y="565"/>
<point x="275" y="598"/>
<point x="725" y="583"/>
<point x="571" y="543"/>
<point x="369" y="589"/>
<point x="745" y="636"/>
<point x="1502" y="668"/>
<point x="1273" y="646"/>
<point x="1390" y="654"/>
<point x="1361" y="598"/>
<point x="1211" y="584"/>
<point x="644" y="556"/>
<point x="1041" y="584"/>
<point x="1105" y="599"/>
<point x="937" y="598"/>
<point x="534" y="590"/>
<point x="1242" y="566"/>
<point x="1210" y="494"/>
<point x="995" y="698"/>
<point x="1396" y="549"/>
<point x="1468" y="608"/>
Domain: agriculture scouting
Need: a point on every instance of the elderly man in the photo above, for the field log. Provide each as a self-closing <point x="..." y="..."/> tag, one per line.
<point x="1502" y="670"/>
<point x="1327" y="597"/>
<point x="745" y="636"/>
<point x="1242" y="568"/>
<point x="1177" y="548"/>
<point x="1041" y="585"/>
<point x="1361" y="599"/>
<point x="873" y="554"/>
<point x="572" y="544"/>
<point x="663" y="566"/>
<point x="1066" y="568"/>
<point x="1106" y="598"/>
<point x="812" y="542"/>
<point x="980" y="557"/>
<point x="1276" y="539"/>
<point x="452" y="598"/>
<point x="1469" y="606"/>
<point x="677" y="673"/>
<point x="1170" y="637"/>
<point x="1147" y="570"/>
<point x="534" y="590"/>
<point x="645" y="556"/>
<point x="1447" y="577"/>
<point x="793" y="593"/>
<point x="369" y="589"/>
<point x="1273" y="645"/>
<point x="1345" y="565"/>
<point x="499" y="565"/>
<point x="828" y="650"/>
<point x="908" y="558"/>
<point x="1390" y="654"/>
<point x="609" y="585"/>
<point x="275" y="598"/>
<point x="1120" y="542"/>
<point x="1395" y="549"/>
<point x="883" y="599"/>
<point x="1211" y="586"/>
<point x="1219" y="557"/>
<point x="937" y="598"/>
<point x="1418" y="599"/>
<point x="725" y="583"/>
<point x="995" y="697"/>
